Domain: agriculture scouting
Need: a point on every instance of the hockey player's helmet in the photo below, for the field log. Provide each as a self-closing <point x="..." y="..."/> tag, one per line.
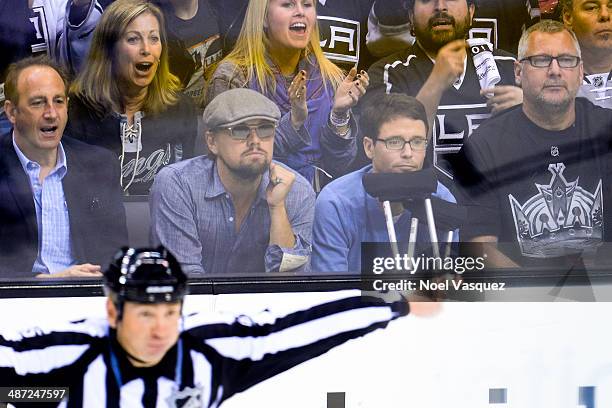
<point x="145" y="275"/>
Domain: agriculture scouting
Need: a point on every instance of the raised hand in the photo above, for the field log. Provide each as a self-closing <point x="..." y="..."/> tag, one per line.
<point x="297" y="98"/>
<point x="450" y="62"/>
<point x="350" y="90"/>
<point x="504" y="97"/>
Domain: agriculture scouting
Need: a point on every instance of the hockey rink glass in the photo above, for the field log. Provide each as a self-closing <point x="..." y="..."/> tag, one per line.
<point x="418" y="144"/>
<point x="544" y="61"/>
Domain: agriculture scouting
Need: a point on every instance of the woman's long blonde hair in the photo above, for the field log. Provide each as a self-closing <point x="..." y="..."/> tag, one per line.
<point x="97" y="84"/>
<point x="249" y="52"/>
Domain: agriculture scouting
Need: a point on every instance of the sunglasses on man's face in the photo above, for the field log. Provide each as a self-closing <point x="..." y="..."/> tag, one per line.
<point x="242" y="132"/>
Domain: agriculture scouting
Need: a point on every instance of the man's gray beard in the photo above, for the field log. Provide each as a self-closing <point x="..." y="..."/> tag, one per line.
<point x="427" y="41"/>
<point x="554" y="107"/>
<point x="247" y="173"/>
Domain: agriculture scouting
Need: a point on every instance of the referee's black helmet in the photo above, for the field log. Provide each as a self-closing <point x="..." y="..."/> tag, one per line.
<point x="145" y="275"/>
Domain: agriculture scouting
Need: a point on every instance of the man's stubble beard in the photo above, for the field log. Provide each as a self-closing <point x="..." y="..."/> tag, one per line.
<point x="554" y="106"/>
<point x="560" y="104"/>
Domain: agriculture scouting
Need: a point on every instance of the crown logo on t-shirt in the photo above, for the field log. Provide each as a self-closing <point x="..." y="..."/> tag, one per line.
<point x="561" y="218"/>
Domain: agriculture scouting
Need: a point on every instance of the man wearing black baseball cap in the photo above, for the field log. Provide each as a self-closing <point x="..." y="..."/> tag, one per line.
<point x="235" y="210"/>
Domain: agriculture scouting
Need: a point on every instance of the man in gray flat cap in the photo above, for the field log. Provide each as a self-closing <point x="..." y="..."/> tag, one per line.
<point x="235" y="210"/>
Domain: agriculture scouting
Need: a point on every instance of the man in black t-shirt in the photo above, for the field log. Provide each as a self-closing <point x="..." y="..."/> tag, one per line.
<point x="535" y="178"/>
<point x="440" y="71"/>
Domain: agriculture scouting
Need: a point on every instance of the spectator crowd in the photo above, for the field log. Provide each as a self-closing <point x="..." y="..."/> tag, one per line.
<point x="250" y="125"/>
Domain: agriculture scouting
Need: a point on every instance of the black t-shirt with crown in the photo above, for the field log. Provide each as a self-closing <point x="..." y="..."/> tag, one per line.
<point x="542" y="193"/>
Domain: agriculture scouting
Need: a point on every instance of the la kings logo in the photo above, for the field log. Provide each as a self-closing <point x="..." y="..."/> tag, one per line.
<point x="453" y="125"/>
<point x="561" y="218"/>
<point x="340" y="39"/>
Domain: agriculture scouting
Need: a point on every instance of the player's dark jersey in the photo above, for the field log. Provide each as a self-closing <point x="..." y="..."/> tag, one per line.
<point x="462" y="109"/>
<point x="343" y="25"/>
<point x="502" y="22"/>
<point x="215" y="357"/>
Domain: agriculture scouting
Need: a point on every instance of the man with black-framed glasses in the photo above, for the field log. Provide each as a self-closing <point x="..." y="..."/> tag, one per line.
<point x="235" y="211"/>
<point x="395" y="140"/>
<point x="536" y="177"/>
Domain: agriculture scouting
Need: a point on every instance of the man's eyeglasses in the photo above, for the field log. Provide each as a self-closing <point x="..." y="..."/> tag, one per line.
<point x="544" y="61"/>
<point x="242" y="132"/>
<point x="418" y="144"/>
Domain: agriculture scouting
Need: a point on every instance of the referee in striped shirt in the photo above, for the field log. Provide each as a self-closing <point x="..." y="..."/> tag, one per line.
<point x="145" y="354"/>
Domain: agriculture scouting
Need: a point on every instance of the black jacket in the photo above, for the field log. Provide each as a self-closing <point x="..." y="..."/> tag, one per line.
<point x="91" y="189"/>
